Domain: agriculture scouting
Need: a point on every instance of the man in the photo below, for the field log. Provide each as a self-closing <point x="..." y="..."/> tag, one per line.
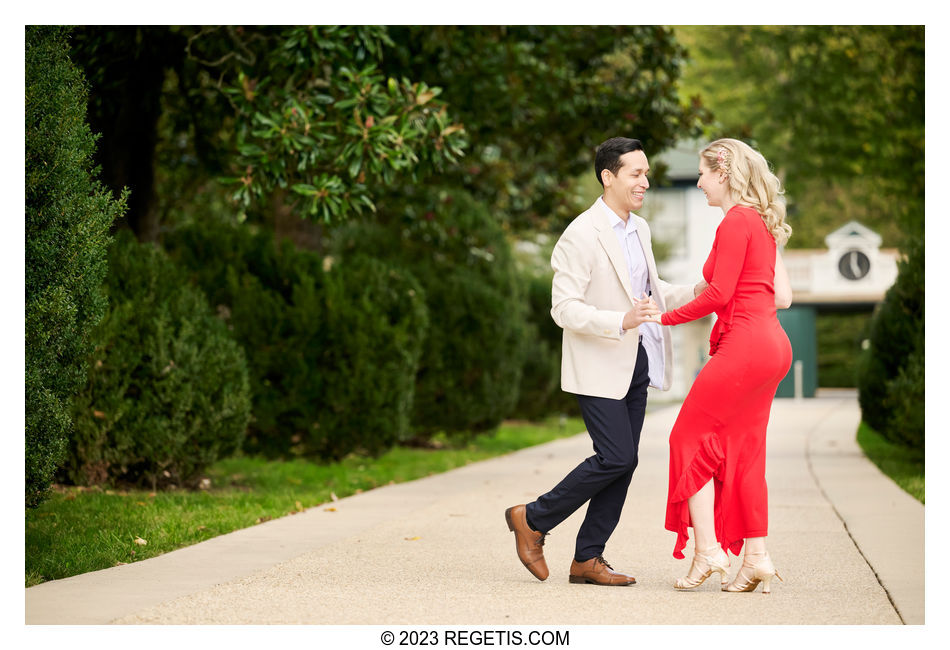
<point x="606" y="296"/>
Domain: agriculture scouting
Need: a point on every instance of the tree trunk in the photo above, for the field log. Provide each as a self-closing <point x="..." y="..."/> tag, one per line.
<point x="126" y="71"/>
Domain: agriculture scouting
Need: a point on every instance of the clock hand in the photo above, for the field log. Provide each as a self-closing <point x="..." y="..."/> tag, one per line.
<point x="853" y="261"/>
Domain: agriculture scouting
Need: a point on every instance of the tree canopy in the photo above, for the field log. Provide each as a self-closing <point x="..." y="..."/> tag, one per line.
<point x="335" y="119"/>
<point x="839" y="110"/>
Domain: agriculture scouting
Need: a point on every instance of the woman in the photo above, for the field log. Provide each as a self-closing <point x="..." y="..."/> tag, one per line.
<point x="717" y="446"/>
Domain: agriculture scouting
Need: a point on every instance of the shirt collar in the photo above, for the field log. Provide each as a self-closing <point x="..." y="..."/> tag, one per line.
<point x="629" y="227"/>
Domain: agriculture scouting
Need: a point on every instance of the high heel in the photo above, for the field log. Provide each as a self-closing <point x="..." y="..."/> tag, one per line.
<point x="712" y="560"/>
<point x="752" y="573"/>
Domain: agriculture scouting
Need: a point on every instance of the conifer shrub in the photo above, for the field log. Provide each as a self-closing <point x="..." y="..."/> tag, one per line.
<point x="891" y="369"/>
<point x="376" y="324"/>
<point x="470" y="370"/>
<point x="540" y="394"/>
<point x="167" y="393"/>
<point x="67" y="220"/>
<point x="333" y="345"/>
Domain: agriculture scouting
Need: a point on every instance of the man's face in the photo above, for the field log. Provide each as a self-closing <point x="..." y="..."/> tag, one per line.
<point x="627" y="187"/>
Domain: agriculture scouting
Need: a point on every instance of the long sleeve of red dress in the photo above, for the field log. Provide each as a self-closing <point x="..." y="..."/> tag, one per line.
<point x="721" y="271"/>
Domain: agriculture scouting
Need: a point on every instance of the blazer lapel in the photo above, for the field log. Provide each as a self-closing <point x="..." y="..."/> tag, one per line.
<point x="608" y="239"/>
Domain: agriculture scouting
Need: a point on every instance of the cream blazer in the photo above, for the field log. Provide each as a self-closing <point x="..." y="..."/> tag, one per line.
<point x="589" y="296"/>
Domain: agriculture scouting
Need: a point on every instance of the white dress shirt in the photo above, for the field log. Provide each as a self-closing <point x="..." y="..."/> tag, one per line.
<point x="640" y="284"/>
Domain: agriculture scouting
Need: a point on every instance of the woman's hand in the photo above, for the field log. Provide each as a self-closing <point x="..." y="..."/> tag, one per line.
<point x="644" y="311"/>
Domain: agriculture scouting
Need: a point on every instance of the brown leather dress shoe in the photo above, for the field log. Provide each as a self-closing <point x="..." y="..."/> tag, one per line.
<point x="596" y="571"/>
<point x="528" y="542"/>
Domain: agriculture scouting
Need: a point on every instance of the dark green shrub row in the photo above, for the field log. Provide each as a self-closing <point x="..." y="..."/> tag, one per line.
<point x="167" y="393"/>
<point x="891" y="370"/>
<point x="68" y="215"/>
<point x="471" y="367"/>
<point x="541" y="393"/>
<point x="332" y="345"/>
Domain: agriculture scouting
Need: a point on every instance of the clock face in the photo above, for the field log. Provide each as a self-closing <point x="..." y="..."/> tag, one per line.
<point x="854" y="265"/>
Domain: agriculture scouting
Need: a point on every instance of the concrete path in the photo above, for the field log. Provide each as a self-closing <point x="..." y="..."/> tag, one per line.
<point x="848" y="542"/>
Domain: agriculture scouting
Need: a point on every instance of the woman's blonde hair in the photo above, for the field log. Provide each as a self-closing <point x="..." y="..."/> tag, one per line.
<point x="751" y="182"/>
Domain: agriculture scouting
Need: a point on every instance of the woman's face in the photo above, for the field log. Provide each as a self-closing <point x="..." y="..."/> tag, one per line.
<point x="714" y="184"/>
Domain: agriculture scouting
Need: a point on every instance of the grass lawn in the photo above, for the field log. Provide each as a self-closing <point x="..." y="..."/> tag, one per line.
<point x="905" y="466"/>
<point x="86" y="529"/>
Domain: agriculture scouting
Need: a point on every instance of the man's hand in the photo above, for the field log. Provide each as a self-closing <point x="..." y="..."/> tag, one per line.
<point x="644" y="310"/>
<point x="699" y="288"/>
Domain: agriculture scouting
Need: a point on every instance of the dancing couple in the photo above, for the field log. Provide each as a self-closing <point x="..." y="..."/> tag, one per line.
<point x="615" y="312"/>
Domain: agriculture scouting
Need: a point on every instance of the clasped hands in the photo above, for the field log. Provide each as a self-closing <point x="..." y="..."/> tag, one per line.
<point x="645" y="310"/>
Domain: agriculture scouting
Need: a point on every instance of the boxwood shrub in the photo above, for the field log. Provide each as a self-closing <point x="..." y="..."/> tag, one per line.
<point x="167" y="393"/>
<point x="471" y="366"/>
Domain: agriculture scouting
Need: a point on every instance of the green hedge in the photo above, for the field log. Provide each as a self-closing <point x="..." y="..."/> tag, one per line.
<point x="891" y="370"/>
<point x="332" y="346"/>
<point x="168" y="390"/>
<point x="376" y="322"/>
<point x="68" y="215"/>
<point x="540" y="394"/>
<point x="470" y="372"/>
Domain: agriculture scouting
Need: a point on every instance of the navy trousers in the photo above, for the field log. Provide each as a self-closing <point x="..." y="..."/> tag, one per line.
<point x="614" y="427"/>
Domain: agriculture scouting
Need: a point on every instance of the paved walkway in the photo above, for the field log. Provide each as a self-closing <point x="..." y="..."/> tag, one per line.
<point x="848" y="542"/>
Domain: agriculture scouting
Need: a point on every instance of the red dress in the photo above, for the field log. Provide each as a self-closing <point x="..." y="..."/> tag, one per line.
<point x="720" y="431"/>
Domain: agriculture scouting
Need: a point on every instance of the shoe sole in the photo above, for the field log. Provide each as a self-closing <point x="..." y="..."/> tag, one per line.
<point x="580" y="580"/>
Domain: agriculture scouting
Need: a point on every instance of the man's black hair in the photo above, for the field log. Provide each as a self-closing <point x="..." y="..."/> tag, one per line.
<point x="609" y="152"/>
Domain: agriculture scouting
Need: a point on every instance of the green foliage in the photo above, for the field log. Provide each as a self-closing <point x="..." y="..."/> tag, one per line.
<point x="266" y="293"/>
<point x="540" y="392"/>
<point x="376" y="324"/>
<point x="891" y="370"/>
<point x="168" y="390"/>
<point x="332" y="353"/>
<point x="68" y="215"/>
<point x="537" y="100"/>
<point x="298" y="108"/>
<point x="839" y="110"/>
<point x="316" y="115"/>
<point x="839" y="336"/>
<point x="473" y="355"/>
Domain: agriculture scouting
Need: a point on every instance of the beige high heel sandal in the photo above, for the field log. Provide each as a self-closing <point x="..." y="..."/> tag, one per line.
<point x="751" y="574"/>
<point x="712" y="560"/>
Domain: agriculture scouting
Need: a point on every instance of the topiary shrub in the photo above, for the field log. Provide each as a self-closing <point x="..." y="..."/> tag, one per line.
<point x="470" y="370"/>
<point x="540" y="394"/>
<point x="891" y="369"/>
<point x="376" y="323"/>
<point x="68" y="215"/>
<point x="168" y="390"/>
<point x="332" y="353"/>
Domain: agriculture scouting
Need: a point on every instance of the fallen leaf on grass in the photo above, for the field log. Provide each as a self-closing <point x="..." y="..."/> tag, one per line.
<point x="334" y="497"/>
<point x="261" y="520"/>
<point x="200" y="528"/>
<point x="140" y="541"/>
<point x="299" y="506"/>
